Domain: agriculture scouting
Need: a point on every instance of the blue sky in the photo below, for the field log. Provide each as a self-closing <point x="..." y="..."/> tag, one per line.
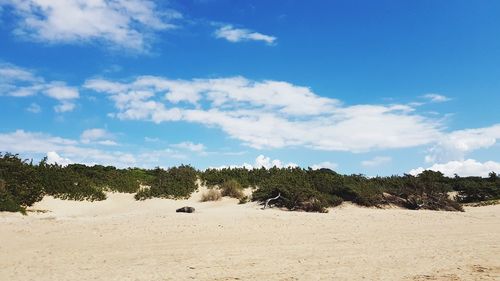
<point x="378" y="88"/>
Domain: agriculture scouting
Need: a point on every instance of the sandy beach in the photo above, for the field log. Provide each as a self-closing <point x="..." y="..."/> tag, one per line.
<point x="124" y="239"/>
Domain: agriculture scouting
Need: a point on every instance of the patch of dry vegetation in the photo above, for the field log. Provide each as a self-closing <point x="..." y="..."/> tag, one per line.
<point x="233" y="189"/>
<point x="211" y="195"/>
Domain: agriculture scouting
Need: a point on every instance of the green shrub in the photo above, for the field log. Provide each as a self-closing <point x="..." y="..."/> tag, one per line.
<point x="325" y="180"/>
<point x="295" y="189"/>
<point x="429" y="190"/>
<point x="474" y="189"/>
<point x="334" y="200"/>
<point x="366" y="194"/>
<point x="21" y="180"/>
<point x="112" y="179"/>
<point x="213" y="177"/>
<point x="7" y="203"/>
<point x="174" y="183"/>
<point x="64" y="183"/>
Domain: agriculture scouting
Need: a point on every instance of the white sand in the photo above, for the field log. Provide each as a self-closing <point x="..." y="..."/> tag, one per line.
<point x="122" y="239"/>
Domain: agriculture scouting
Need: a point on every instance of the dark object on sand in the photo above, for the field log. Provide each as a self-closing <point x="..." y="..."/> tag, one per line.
<point x="185" y="210"/>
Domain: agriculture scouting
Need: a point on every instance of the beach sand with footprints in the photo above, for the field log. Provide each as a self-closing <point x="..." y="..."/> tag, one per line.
<point x="124" y="239"/>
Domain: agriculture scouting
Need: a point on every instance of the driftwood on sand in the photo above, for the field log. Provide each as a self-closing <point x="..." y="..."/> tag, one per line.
<point x="270" y="199"/>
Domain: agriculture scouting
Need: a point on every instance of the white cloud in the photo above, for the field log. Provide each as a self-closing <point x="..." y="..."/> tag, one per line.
<point x="463" y="168"/>
<point x="54" y="158"/>
<point x="40" y="144"/>
<point x="151" y="158"/>
<point x="270" y="114"/>
<point x="98" y="135"/>
<point x="10" y="72"/>
<point x="18" y="82"/>
<point x="194" y="147"/>
<point x="436" y="97"/>
<point x="376" y="161"/>
<point x="65" y="151"/>
<point x="326" y="164"/>
<point x="233" y="34"/>
<point x="128" y="24"/>
<point x="64" y="106"/>
<point x="457" y="144"/>
<point x="244" y="165"/>
<point x="34" y="108"/>
<point x="108" y="142"/>
<point x="60" y="91"/>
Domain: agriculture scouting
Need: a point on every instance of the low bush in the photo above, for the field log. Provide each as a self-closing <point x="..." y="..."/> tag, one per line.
<point x="22" y="184"/>
<point x="64" y="183"/>
<point x="364" y="194"/>
<point x="7" y="203"/>
<point x="110" y="178"/>
<point x="20" y="181"/>
<point x="295" y="189"/>
<point x="483" y="203"/>
<point x="174" y="183"/>
<point x="334" y="200"/>
<point x="475" y="190"/>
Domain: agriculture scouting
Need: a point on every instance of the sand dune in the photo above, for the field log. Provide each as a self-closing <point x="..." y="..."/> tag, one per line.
<point x="123" y="239"/>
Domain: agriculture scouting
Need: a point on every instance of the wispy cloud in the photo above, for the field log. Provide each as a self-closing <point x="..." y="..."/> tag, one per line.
<point x="19" y="82"/>
<point x="97" y="135"/>
<point x="64" y="106"/>
<point x="34" y="108"/>
<point x="233" y="34"/>
<point x="187" y="145"/>
<point x="149" y="139"/>
<point x="128" y="24"/>
<point x="376" y="161"/>
<point x="436" y="97"/>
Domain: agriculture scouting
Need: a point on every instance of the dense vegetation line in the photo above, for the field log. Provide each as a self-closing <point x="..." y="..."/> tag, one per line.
<point x="23" y="183"/>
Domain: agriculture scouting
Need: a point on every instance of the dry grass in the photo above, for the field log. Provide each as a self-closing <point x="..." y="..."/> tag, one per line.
<point x="211" y="195"/>
<point x="232" y="189"/>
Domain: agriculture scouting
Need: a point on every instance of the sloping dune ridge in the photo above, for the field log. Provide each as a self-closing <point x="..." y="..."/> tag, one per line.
<point x="124" y="239"/>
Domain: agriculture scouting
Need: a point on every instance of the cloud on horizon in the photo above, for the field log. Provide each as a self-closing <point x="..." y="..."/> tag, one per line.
<point x="261" y="161"/>
<point x="458" y="144"/>
<point x="463" y="168"/>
